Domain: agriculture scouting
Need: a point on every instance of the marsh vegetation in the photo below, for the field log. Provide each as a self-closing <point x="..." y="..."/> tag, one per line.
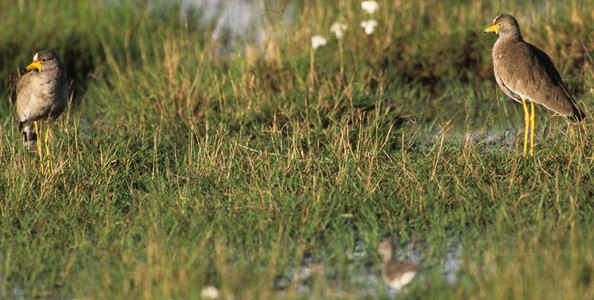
<point x="176" y="167"/>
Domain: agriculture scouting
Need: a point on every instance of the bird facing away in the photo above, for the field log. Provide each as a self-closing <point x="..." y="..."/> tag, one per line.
<point x="42" y="94"/>
<point x="526" y="73"/>
<point x="395" y="273"/>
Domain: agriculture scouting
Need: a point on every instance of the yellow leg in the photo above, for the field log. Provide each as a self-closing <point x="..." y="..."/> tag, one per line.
<point x="532" y="118"/>
<point x="46" y="138"/>
<point x="527" y="121"/>
<point x="38" y="145"/>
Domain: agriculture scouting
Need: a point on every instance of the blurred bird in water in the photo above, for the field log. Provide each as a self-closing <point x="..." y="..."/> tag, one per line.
<point x="395" y="273"/>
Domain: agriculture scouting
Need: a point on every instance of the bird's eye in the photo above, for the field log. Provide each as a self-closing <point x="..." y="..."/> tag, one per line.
<point x="499" y="25"/>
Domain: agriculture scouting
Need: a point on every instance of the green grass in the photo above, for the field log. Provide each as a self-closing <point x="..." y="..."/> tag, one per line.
<point x="173" y="169"/>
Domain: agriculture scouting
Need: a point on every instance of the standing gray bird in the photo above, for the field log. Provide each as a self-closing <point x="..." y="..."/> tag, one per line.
<point x="526" y="73"/>
<point x="42" y="94"/>
<point x="395" y="273"/>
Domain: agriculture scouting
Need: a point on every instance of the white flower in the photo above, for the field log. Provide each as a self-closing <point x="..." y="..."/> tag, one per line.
<point x="318" y="41"/>
<point x="338" y="29"/>
<point x="209" y="292"/>
<point x="369" y="6"/>
<point x="369" y="26"/>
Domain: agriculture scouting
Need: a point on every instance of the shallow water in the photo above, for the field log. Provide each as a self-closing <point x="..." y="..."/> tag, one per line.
<point x="11" y="292"/>
<point x="362" y="273"/>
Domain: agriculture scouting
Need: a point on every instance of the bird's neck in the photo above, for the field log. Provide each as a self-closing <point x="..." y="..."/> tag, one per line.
<point x="510" y="38"/>
<point x="503" y="42"/>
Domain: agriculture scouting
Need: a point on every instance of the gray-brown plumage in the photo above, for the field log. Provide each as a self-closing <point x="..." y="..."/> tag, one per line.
<point x="42" y="93"/>
<point x="526" y="73"/>
<point x="395" y="273"/>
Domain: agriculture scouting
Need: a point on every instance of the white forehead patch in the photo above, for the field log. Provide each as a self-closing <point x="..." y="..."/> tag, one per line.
<point x="495" y="20"/>
<point x="36" y="56"/>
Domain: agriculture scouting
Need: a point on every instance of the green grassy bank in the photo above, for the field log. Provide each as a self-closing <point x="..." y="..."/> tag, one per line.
<point x="174" y="168"/>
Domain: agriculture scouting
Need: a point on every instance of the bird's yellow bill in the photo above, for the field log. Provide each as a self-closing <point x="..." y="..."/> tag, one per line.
<point x="493" y="28"/>
<point x="34" y="65"/>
